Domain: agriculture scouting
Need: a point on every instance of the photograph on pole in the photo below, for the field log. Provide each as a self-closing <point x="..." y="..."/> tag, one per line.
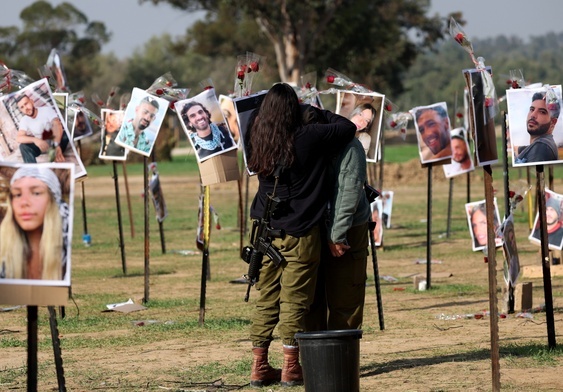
<point x="33" y="129"/>
<point x="554" y="221"/>
<point x="432" y="126"/>
<point x="203" y="121"/>
<point x="536" y="132"/>
<point x="365" y="110"/>
<point x="477" y="220"/>
<point x="36" y="203"/>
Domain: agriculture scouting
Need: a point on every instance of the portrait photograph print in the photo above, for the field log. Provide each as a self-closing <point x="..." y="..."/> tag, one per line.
<point x="481" y="117"/>
<point x="229" y="112"/>
<point x="33" y="129"/>
<point x="245" y="107"/>
<point x="553" y="220"/>
<point x="365" y="111"/>
<point x="36" y="210"/>
<point x="477" y="221"/>
<point x="512" y="266"/>
<point x="142" y="121"/>
<point x="111" y="124"/>
<point x="376" y="209"/>
<point x="387" y="207"/>
<point x="202" y="120"/>
<point x="535" y="127"/>
<point x="462" y="161"/>
<point x="81" y="126"/>
<point x="432" y="126"/>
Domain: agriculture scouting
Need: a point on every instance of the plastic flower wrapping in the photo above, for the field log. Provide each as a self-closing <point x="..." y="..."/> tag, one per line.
<point x="164" y="87"/>
<point x="491" y="101"/>
<point x="248" y="65"/>
<point x="399" y="121"/>
<point x="552" y="101"/>
<point x="339" y="79"/>
<point x="516" y="79"/>
<point x="307" y="92"/>
<point x="12" y="80"/>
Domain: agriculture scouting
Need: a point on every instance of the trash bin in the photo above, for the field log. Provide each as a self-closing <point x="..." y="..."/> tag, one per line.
<point x="330" y="360"/>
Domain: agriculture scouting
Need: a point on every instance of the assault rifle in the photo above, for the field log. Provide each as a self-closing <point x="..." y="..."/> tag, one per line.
<point x="261" y="239"/>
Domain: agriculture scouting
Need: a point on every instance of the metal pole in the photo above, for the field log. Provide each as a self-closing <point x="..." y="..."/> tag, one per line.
<point x="450" y="202"/>
<point x="491" y="258"/>
<point x="85" y="236"/>
<point x="147" y="229"/>
<point x="429" y="231"/>
<point x="372" y="228"/>
<point x="128" y="200"/>
<point x="540" y="199"/>
<point x="32" y="348"/>
<point x="57" y="349"/>
<point x="507" y="211"/>
<point x="119" y="223"/>
<point x="205" y="259"/>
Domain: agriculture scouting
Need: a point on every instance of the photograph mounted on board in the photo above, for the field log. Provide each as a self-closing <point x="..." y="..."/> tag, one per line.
<point x="481" y="116"/>
<point x="462" y="162"/>
<point x="33" y="129"/>
<point x="365" y="111"/>
<point x="229" y="112"/>
<point x="142" y="121"/>
<point x="81" y="126"/>
<point x="202" y="120"/>
<point x="477" y="221"/>
<point x="512" y="266"/>
<point x="111" y="124"/>
<point x="553" y="220"/>
<point x="387" y="207"/>
<point x="156" y="193"/>
<point x="376" y="209"/>
<point x="36" y="208"/>
<point x="432" y="126"/>
<point x="536" y="132"/>
<point x="245" y="107"/>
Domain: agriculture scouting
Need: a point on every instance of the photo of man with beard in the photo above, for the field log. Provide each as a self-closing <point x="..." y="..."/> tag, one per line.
<point x="433" y="128"/>
<point x="461" y="158"/>
<point x="553" y="221"/>
<point x="540" y="124"/>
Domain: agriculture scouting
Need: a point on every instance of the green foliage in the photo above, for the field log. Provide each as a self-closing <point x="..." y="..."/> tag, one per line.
<point x="47" y="27"/>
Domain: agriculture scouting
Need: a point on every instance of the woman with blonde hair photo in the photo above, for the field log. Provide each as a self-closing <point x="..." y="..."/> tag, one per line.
<point x="34" y="231"/>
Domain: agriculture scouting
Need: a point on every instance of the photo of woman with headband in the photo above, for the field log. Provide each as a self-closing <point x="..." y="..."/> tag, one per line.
<point x="35" y="230"/>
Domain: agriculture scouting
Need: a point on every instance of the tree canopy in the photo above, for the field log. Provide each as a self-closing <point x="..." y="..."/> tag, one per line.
<point x="372" y="40"/>
<point x="45" y="28"/>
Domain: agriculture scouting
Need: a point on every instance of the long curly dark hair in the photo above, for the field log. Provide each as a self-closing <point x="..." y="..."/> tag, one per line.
<point x="273" y="130"/>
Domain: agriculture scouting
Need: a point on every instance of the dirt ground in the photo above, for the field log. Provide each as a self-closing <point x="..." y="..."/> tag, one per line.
<point x="433" y="340"/>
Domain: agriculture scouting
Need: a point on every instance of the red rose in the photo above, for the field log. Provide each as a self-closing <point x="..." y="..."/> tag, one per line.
<point x="459" y="115"/>
<point x="515" y="84"/>
<point x="388" y="107"/>
<point x="243" y="68"/>
<point x="488" y="102"/>
<point x="96" y="122"/>
<point x="511" y="194"/>
<point x="308" y="85"/>
<point x="168" y="83"/>
<point x="159" y="91"/>
<point x="393" y="124"/>
<point x="207" y="88"/>
<point x="171" y="105"/>
<point x="254" y="66"/>
<point x="100" y="103"/>
<point x="240" y="75"/>
<point x="330" y="78"/>
<point x="459" y="38"/>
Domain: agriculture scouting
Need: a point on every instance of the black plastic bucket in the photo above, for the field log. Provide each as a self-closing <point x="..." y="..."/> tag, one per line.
<point x="330" y="360"/>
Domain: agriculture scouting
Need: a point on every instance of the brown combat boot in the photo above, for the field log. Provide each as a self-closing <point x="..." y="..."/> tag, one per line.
<point x="292" y="374"/>
<point x="262" y="373"/>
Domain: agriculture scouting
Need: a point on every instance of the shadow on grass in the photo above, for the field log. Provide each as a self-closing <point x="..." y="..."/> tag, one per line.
<point x="400" y="364"/>
<point x="535" y="351"/>
<point x="138" y="274"/>
<point x="447" y="304"/>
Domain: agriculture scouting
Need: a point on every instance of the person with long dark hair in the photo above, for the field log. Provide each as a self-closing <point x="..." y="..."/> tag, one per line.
<point x="280" y="139"/>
